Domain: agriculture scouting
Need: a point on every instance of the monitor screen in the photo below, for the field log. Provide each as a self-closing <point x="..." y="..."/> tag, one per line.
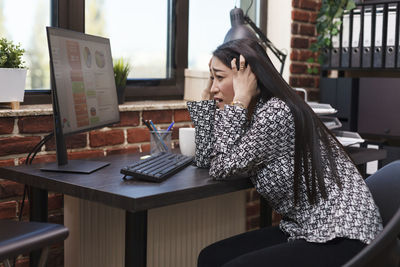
<point x="83" y="91"/>
<point x="83" y="80"/>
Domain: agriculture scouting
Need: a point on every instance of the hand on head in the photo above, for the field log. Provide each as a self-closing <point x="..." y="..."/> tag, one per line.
<point x="227" y="84"/>
<point x="244" y="82"/>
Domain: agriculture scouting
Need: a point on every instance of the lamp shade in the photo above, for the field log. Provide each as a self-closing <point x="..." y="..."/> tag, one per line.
<point x="239" y="29"/>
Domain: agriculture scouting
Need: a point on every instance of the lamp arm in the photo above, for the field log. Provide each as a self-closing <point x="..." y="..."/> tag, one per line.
<point x="278" y="53"/>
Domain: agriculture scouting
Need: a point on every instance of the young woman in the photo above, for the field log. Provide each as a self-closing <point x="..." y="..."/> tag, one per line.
<point x="251" y="122"/>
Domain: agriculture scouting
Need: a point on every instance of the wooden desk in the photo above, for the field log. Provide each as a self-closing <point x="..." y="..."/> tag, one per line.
<point x="135" y="197"/>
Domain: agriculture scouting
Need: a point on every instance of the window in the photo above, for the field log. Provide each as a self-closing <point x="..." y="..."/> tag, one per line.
<point x="138" y="33"/>
<point x="152" y="35"/>
<point x="209" y="21"/>
<point x="26" y="26"/>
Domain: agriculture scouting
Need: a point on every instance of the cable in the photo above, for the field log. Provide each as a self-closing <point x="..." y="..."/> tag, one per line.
<point x="44" y="140"/>
<point x="37" y="147"/>
<point x="28" y="161"/>
<point x="247" y="11"/>
<point x="266" y="42"/>
<point x="34" y="149"/>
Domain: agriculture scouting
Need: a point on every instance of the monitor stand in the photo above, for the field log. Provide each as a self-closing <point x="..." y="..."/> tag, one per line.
<point x="63" y="164"/>
<point x="75" y="166"/>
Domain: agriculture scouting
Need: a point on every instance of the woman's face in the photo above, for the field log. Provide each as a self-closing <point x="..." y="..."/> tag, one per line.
<point x="222" y="86"/>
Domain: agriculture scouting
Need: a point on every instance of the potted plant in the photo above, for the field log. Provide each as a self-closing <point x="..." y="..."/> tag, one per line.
<point x="328" y="27"/>
<point x="12" y="72"/>
<point x="121" y="71"/>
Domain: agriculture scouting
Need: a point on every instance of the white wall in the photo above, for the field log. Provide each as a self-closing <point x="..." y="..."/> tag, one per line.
<point x="279" y="30"/>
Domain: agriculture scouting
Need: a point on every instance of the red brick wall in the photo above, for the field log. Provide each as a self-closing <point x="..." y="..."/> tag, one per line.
<point x="304" y="15"/>
<point x="18" y="135"/>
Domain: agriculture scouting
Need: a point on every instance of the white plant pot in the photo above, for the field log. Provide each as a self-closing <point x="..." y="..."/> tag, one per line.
<point x="195" y="83"/>
<point x="12" y="85"/>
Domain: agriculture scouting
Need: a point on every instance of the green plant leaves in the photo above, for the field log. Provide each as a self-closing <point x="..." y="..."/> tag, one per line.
<point x="339" y="12"/>
<point x="121" y="71"/>
<point x="326" y="25"/>
<point x="10" y="54"/>
<point x="314" y="47"/>
<point x="312" y="70"/>
<point x="350" y="5"/>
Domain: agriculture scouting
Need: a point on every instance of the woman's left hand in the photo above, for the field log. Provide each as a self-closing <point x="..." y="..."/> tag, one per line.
<point x="244" y="82"/>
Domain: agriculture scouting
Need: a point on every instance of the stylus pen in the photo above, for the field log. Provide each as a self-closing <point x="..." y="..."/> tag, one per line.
<point x="159" y="136"/>
<point x="170" y="126"/>
<point x="147" y="125"/>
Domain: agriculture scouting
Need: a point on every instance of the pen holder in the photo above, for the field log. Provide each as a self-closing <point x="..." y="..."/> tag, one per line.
<point x="160" y="141"/>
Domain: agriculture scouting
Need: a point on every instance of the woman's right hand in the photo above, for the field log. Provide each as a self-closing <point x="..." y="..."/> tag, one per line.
<point x="206" y="94"/>
<point x="244" y="82"/>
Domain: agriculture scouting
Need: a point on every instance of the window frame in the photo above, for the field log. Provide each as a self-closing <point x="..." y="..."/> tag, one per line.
<point x="177" y="58"/>
<point x="70" y="14"/>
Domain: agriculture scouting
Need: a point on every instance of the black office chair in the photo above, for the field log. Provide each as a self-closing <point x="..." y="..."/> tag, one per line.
<point x="385" y="249"/>
<point x="23" y="237"/>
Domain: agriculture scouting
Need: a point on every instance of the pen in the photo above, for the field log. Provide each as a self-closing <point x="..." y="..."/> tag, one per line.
<point x="170" y="126"/>
<point x="147" y="125"/>
<point x="154" y="127"/>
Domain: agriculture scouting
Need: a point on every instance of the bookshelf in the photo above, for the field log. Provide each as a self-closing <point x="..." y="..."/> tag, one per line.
<point x="360" y="76"/>
<point x="368" y="38"/>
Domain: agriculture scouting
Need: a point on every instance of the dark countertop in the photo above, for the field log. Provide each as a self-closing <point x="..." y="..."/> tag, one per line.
<point x="107" y="186"/>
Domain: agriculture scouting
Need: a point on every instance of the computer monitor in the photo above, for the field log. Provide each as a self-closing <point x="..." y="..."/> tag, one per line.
<point x="83" y="91"/>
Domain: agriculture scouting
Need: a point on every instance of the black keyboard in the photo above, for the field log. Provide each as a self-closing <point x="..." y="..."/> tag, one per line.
<point x="158" y="167"/>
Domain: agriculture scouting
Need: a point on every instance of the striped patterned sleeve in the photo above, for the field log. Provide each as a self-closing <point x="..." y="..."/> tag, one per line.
<point x="240" y="147"/>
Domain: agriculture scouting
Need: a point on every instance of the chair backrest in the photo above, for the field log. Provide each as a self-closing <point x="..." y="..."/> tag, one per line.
<point x="23" y="237"/>
<point x="385" y="249"/>
<point x="385" y="188"/>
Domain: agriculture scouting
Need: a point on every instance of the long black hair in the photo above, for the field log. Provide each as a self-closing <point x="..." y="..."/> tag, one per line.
<point x="310" y="132"/>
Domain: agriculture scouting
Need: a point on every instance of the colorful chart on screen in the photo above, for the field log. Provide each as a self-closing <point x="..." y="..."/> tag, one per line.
<point x="85" y="83"/>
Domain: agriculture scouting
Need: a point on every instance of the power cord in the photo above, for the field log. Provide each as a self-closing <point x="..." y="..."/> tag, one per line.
<point x="37" y="148"/>
<point x="247" y="11"/>
<point x="28" y="161"/>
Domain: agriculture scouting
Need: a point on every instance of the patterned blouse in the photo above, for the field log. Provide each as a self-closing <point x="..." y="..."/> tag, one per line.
<point x="263" y="148"/>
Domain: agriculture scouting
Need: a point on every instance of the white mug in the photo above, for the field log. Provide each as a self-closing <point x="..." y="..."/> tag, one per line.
<point x="186" y="141"/>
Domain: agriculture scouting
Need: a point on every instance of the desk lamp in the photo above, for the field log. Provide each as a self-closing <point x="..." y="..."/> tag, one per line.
<point x="240" y="30"/>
